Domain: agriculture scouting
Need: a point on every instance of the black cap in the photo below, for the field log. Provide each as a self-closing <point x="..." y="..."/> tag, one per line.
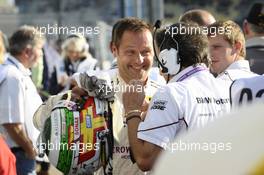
<point x="256" y="14"/>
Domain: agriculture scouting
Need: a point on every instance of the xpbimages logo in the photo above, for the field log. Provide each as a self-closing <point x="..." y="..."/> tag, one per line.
<point x="105" y="88"/>
<point x="79" y="147"/>
<point x="196" y="30"/>
<point x="67" y="30"/>
<point x="212" y="147"/>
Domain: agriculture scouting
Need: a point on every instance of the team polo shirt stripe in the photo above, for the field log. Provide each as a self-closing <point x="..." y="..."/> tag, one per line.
<point x="164" y="125"/>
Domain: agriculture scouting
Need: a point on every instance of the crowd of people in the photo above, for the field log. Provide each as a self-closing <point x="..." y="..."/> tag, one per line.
<point x="207" y="76"/>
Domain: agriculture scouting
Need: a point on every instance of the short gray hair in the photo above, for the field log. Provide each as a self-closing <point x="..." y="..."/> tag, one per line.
<point x="24" y="36"/>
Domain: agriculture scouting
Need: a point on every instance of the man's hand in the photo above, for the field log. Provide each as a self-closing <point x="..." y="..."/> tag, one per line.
<point x="17" y="133"/>
<point x="133" y="98"/>
<point x="144" y="109"/>
<point x="31" y="153"/>
<point x="78" y="93"/>
<point x="96" y="87"/>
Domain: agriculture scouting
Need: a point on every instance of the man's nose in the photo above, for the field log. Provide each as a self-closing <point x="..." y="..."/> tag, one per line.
<point x="140" y="59"/>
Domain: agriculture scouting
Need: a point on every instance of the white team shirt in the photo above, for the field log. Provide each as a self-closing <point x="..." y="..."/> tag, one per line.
<point x="122" y="164"/>
<point x="190" y="100"/>
<point x="19" y="99"/>
<point x="247" y="90"/>
<point x="236" y="70"/>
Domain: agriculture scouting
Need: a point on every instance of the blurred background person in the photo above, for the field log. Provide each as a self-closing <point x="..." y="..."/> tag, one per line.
<point x="7" y="159"/>
<point x="253" y="27"/>
<point x="42" y="71"/>
<point x="21" y="98"/>
<point x="2" y="48"/>
<point x="199" y="16"/>
<point x="76" y="58"/>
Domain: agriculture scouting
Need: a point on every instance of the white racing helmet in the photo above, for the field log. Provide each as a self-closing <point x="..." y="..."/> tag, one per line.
<point x="74" y="135"/>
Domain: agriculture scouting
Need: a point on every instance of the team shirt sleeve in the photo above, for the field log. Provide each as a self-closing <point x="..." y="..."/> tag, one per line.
<point x="246" y="90"/>
<point x="161" y="123"/>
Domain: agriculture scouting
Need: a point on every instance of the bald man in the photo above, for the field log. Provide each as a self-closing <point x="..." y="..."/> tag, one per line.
<point x="199" y="16"/>
<point x="254" y="32"/>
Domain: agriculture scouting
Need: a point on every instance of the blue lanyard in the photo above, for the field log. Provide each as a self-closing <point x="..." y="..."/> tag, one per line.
<point x="12" y="62"/>
<point x="191" y="72"/>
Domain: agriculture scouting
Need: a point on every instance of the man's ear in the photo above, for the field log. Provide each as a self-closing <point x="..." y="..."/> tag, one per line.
<point x="114" y="50"/>
<point x="111" y="46"/>
<point x="28" y="50"/>
<point x="246" y="28"/>
<point x="237" y="48"/>
<point x="25" y="52"/>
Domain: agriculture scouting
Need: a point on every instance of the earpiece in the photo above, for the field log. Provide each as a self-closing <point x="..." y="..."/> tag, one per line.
<point x="163" y="68"/>
<point x="168" y="59"/>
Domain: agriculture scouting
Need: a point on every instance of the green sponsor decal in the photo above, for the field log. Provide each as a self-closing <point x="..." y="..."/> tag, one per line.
<point x="65" y="154"/>
<point x="46" y="133"/>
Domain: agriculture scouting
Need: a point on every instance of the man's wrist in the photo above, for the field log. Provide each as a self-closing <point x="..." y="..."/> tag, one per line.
<point x="133" y="114"/>
<point x="133" y="117"/>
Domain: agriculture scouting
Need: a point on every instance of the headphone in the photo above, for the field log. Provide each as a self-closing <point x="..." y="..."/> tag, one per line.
<point x="168" y="59"/>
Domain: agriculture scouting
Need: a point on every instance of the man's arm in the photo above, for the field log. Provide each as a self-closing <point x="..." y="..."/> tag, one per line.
<point x="144" y="153"/>
<point x="17" y="133"/>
